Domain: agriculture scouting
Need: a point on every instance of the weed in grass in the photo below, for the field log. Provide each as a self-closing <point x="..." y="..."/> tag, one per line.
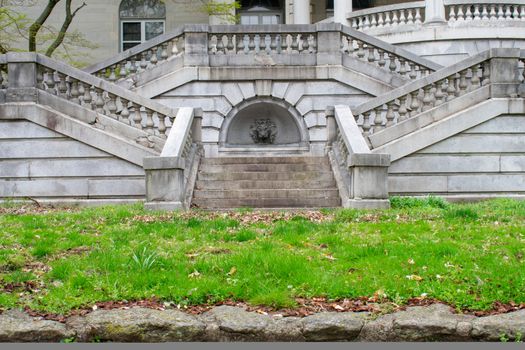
<point x="144" y="258"/>
<point x="462" y="213"/>
<point x="397" y="202"/>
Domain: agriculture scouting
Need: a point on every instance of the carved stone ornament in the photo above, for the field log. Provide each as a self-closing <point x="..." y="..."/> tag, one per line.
<point x="263" y="131"/>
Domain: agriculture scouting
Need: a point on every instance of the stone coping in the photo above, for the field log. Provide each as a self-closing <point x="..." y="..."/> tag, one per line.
<point x="436" y="322"/>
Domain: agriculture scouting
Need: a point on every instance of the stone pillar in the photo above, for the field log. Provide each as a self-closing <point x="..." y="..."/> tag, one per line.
<point x="331" y="126"/>
<point x="301" y="12"/>
<point x="196" y="45"/>
<point x="434" y="11"/>
<point x="369" y="177"/>
<point x="22" y="71"/>
<point x="164" y="183"/>
<point x="329" y="44"/>
<point x="341" y="8"/>
<point x="504" y="72"/>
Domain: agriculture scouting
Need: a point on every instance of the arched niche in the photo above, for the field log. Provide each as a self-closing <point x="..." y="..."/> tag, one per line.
<point x="263" y="123"/>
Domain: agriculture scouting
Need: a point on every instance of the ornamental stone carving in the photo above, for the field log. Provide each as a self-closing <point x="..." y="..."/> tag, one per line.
<point x="263" y="131"/>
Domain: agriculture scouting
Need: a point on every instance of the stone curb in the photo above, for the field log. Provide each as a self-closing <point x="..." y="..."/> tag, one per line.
<point x="436" y="322"/>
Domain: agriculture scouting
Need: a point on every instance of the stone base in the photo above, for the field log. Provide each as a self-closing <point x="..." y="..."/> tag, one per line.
<point x="367" y="203"/>
<point x="166" y="206"/>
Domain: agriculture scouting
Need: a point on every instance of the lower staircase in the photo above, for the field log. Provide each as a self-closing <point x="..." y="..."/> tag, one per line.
<point x="265" y="182"/>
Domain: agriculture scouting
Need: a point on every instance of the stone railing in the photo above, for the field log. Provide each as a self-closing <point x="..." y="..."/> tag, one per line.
<point x="385" y="56"/>
<point x="408" y="13"/>
<point x="65" y="83"/>
<point x="141" y="57"/>
<point x="227" y="40"/>
<point x="481" y="11"/>
<point x="3" y="72"/>
<point x="496" y="67"/>
<point x="361" y="176"/>
<point x="170" y="178"/>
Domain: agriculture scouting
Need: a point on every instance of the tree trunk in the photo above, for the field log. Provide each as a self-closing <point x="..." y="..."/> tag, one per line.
<point x="35" y="27"/>
<point x="67" y="21"/>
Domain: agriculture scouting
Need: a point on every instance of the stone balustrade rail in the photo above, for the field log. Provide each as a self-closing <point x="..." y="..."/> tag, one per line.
<point x="419" y="96"/>
<point x="204" y="45"/>
<point x="483" y="11"/>
<point x="90" y="92"/>
<point x="389" y="16"/>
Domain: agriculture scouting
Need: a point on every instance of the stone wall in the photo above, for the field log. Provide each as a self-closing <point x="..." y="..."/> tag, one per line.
<point x="40" y="163"/>
<point x="486" y="160"/>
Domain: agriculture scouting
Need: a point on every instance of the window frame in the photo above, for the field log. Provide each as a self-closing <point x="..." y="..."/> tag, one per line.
<point x="142" y="22"/>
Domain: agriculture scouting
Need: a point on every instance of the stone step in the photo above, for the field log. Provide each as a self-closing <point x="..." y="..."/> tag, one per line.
<point x="278" y="168"/>
<point x="295" y="193"/>
<point x="265" y="176"/>
<point x="207" y="203"/>
<point x="266" y="160"/>
<point x="263" y="184"/>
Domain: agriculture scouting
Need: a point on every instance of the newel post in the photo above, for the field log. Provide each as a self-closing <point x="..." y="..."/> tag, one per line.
<point x="329" y="43"/>
<point x="434" y="11"/>
<point x="196" y="45"/>
<point x="504" y="73"/>
<point x="369" y="180"/>
<point x="22" y="77"/>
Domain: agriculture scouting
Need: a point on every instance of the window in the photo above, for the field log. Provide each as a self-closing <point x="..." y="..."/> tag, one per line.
<point x="140" y="20"/>
<point x="260" y="15"/>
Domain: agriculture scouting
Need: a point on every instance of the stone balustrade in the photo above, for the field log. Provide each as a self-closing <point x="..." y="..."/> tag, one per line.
<point x="69" y="84"/>
<point x="461" y="11"/>
<point x="497" y="67"/>
<point x="262" y="42"/>
<point x="3" y="72"/>
<point x="387" y="57"/>
<point x="141" y="57"/>
<point x="408" y="13"/>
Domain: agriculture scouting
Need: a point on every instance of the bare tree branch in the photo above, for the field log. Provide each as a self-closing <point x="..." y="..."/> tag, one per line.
<point x="65" y="26"/>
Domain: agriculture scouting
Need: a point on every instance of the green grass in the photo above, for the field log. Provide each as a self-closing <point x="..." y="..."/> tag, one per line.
<point x="466" y="255"/>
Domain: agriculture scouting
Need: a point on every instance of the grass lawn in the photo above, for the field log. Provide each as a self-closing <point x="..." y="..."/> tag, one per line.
<point x="467" y="255"/>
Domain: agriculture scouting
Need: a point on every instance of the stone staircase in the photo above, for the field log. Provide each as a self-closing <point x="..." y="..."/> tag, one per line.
<point x="265" y="182"/>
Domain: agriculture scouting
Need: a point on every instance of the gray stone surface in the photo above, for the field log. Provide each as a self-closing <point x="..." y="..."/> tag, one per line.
<point x="492" y="328"/>
<point x="333" y="326"/>
<point x="136" y="325"/>
<point x="16" y="326"/>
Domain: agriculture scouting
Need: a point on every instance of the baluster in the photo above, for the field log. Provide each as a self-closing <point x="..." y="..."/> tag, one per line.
<point x="461" y="15"/>
<point x="463" y="82"/>
<point x="162" y="125"/>
<point x="240" y="44"/>
<point x="451" y="88"/>
<point x="508" y="13"/>
<point x="427" y="98"/>
<point x="124" y="113"/>
<point x="251" y="43"/>
<point x="402" y="67"/>
<point x="395" y="20"/>
<point x="306" y="44"/>
<point x="402" y="18"/>
<point x="153" y="60"/>
<point x="143" y="63"/>
<point x="354" y="23"/>
<point x="388" y="21"/>
<point x="137" y="115"/>
<point x="515" y="13"/>
<point x="112" y="76"/>
<point x="74" y="91"/>
<point x="229" y="45"/>
<point x="50" y="81"/>
<point x="273" y="44"/>
<point x="412" y="74"/>
<point x="122" y="71"/>
<point x="175" y="47"/>
<point x="382" y="61"/>
<point x="484" y="13"/>
<point x="418" y="16"/>
<point x="99" y="101"/>
<point x="112" y="106"/>
<point x="402" y="109"/>
<point x="373" y="21"/>
<point x="295" y="44"/>
<point x="486" y="73"/>
<point x="262" y="43"/>
<point x="493" y="12"/>
<point x="371" y="54"/>
<point x="452" y="14"/>
<point x="390" y="115"/>
<point x="476" y="13"/>
<point x="87" y="99"/>
<point x="440" y="95"/>
<point x="474" y="81"/>
<point x="149" y="121"/>
<point x="380" y="20"/>
<point x="313" y="44"/>
<point x="501" y="14"/>
<point x="367" y="23"/>
<point x="133" y="65"/>
<point x="164" y="52"/>
<point x="378" y="120"/>
<point x="366" y="123"/>
<point x="410" y="17"/>
<point x="360" y="51"/>
<point x="414" y="105"/>
<point x="220" y="45"/>
<point x="522" y="12"/>
<point x="392" y="66"/>
<point x="2" y="85"/>
<point x="468" y="13"/>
